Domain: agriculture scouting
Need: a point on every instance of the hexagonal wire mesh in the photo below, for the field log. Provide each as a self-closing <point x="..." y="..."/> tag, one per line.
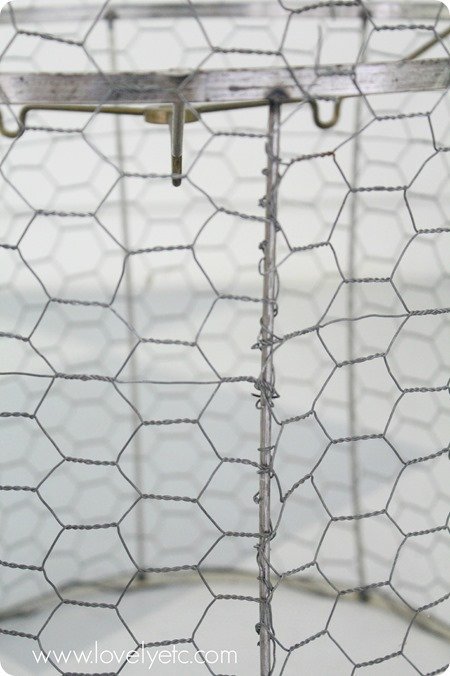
<point x="146" y="502"/>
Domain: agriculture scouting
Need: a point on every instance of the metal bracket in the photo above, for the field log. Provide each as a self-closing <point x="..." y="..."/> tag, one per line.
<point x="174" y="115"/>
<point x="177" y="113"/>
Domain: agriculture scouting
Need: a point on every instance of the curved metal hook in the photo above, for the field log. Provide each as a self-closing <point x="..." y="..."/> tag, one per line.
<point x="14" y="133"/>
<point x="334" y="119"/>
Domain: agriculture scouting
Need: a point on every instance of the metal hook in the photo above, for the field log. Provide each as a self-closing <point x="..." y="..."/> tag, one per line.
<point x="14" y="133"/>
<point x="23" y="114"/>
<point x="334" y="119"/>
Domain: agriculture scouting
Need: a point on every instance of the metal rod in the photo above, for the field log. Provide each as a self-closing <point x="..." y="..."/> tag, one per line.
<point x="176" y="133"/>
<point x="403" y="9"/>
<point x="429" y="45"/>
<point x="161" y="114"/>
<point x="267" y="385"/>
<point x="351" y="328"/>
<point x="136" y="444"/>
<point x="302" y="584"/>
<point x="245" y="84"/>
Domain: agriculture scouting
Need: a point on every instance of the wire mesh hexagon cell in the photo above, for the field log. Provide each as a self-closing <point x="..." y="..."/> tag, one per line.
<point x="224" y="321"/>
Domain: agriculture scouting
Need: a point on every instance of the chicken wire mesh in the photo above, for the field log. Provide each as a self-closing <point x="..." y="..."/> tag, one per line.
<point x="224" y="406"/>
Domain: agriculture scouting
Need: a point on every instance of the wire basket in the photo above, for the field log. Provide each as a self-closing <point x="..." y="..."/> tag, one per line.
<point x="224" y="325"/>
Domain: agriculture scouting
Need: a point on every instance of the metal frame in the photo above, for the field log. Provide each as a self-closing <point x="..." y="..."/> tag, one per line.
<point x="249" y="86"/>
<point x="305" y="585"/>
<point x="404" y="9"/>
<point x="266" y="384"/>
<point x="243" y="84"/>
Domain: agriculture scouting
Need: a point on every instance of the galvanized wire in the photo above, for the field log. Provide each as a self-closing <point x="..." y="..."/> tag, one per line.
<point x="298" y="268"/>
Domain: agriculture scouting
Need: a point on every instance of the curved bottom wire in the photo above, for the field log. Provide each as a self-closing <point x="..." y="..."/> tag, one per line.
<point x="74" y="590"/>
